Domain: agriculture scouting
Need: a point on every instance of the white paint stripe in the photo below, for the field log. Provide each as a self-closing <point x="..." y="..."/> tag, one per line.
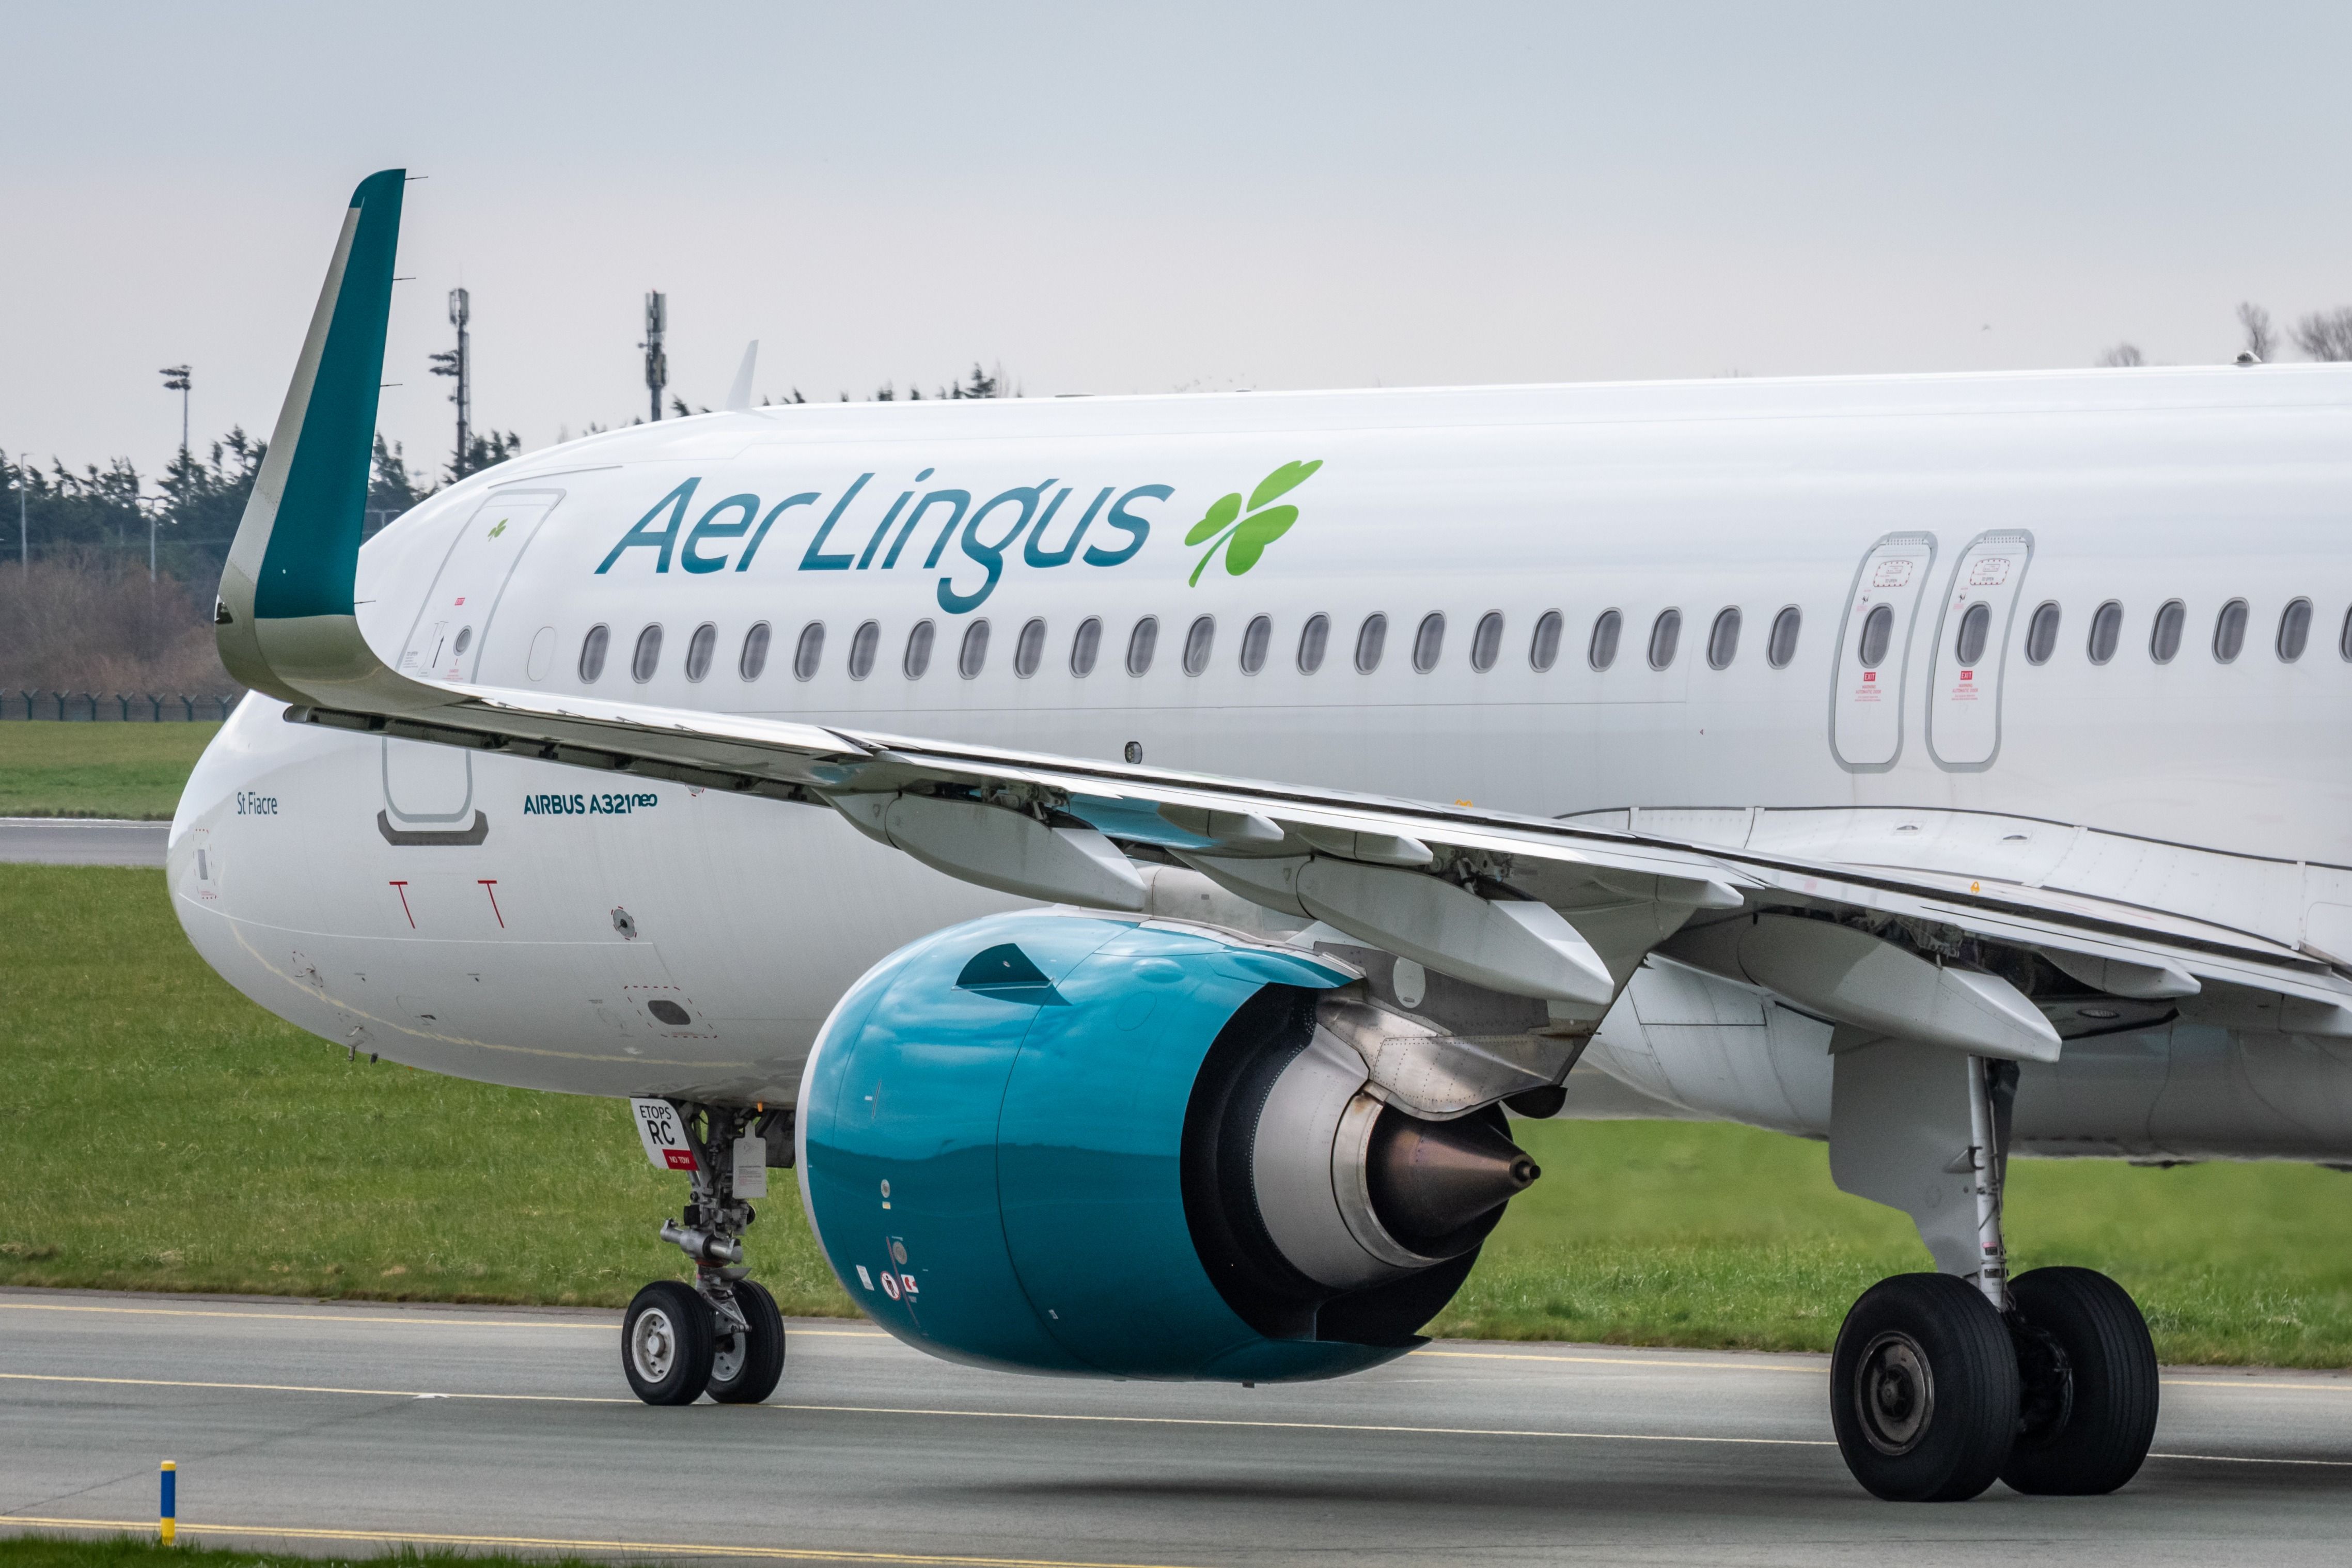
<point x="403" y="1319"/>
<point x="1076" y="1417"/>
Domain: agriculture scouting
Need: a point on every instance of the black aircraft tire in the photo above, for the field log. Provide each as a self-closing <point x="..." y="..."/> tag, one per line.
<point x="666" y="1344"/>
<point x="2098" y="1432"/>
<point x="747" y="1374"/>
<point x="1923" y="1389"/>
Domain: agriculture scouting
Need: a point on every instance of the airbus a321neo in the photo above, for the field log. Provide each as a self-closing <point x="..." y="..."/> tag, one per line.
<point x="1130" y="857"/>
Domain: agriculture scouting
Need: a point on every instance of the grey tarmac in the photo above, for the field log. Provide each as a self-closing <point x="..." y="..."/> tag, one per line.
<point x="332" y="1428"/>
<point x="82" y="841"/>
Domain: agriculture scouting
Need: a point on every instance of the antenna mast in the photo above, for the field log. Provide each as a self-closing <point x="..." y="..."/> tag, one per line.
<point x="657" y="361"/>
<point x="459" y="363"/>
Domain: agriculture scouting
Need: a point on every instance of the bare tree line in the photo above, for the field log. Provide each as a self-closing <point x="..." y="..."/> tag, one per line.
<point x="2323" y="336"/>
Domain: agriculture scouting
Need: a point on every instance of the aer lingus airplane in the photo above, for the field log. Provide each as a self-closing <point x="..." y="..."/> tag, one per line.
<point x="1128" y="854"/>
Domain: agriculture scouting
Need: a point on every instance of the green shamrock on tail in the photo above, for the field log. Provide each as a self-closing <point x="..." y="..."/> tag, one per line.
<point x="1244" y="539"/>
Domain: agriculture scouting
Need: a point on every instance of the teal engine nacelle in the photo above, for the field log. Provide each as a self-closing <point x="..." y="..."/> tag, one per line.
<point x="1099" y="1145"/>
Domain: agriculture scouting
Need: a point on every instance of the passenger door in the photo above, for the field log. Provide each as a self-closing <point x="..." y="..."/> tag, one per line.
<point x="454" y="623"/>
<point x="1972" y="650"/>
<point x="1874" y="650"/>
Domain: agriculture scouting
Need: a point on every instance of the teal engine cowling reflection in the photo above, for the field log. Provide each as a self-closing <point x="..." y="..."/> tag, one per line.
<point x="1100" y="1145"/>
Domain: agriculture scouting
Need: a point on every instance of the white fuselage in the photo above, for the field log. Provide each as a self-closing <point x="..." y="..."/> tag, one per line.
<point x="511" y="921"/>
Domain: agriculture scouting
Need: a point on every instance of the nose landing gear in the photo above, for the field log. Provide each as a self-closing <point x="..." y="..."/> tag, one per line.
<point x="723" y="1335"/>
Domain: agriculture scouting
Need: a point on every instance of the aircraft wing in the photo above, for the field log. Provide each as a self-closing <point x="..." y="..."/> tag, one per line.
<point x="1564" y="912"/>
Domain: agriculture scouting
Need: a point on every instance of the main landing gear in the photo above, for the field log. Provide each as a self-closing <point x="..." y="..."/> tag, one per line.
<point x="1942" y="1382"/>
<point x="723" y="1335"/>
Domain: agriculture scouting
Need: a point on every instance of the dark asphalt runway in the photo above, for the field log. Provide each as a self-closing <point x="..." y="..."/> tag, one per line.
<point x="336" y="1428"/>
<point x="82" y="841"/>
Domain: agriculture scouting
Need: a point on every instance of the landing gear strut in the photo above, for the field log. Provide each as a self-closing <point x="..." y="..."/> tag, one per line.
<point x="1941" y="1383"/>
<point x="723" y="1335"/>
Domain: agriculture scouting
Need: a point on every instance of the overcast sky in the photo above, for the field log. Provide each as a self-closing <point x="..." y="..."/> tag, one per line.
<point x="1119" y="198"/>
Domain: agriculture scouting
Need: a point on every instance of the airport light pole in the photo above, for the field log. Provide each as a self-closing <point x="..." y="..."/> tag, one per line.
<point x="175" y="379"/>
<point x="657" y="361"/>
<point x="24" y="537"/>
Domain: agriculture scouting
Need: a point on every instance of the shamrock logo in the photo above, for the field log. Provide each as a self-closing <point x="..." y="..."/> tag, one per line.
<point x="1244" y="538"/>
<point x="501" y="527"/>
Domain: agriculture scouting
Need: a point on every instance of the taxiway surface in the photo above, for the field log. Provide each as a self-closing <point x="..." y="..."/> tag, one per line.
<point x="82" y="841"/>
<point x="333" y="1428"/>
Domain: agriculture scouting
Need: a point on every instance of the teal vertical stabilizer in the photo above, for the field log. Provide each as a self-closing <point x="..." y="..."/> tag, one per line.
<point x="285" y="623"/>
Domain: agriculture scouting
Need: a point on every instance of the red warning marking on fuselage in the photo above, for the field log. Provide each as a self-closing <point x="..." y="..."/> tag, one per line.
<point x="402" y="889"/>
<point x="890" y="1285"/>
<point x="491" y="886"/>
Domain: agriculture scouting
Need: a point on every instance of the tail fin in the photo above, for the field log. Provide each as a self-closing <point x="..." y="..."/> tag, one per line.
<point x="739" y="396"/>
<point x="286" y="623"/>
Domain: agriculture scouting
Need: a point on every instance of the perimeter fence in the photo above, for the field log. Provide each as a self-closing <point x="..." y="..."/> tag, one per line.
<point x="117" y="708"/>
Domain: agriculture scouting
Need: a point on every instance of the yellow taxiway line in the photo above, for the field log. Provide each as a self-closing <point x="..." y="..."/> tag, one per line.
<point x="551" y="1544"/>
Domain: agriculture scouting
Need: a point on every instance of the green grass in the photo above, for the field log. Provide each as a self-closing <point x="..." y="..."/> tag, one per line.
<point x="1690" y="1233"/>
<point x="161" y="1132"/>
<point x="145" y="1552"/>
<point x="97" y="770"/>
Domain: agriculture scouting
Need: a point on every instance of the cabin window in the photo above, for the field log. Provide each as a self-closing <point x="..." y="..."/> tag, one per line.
<point x="648" y="658"/>
<point x="809" y="652"/>
<point x="1605" y="633"/>
<point x="864" y="644"/>
<point x="1877" y="637"/>
<point x="1029" y="648"/>
<point x="919" y="649"/>
<point x="1486" y="642"/>
<point x="1316" y="636"/>
<point x="1428" y="643"/>
<point x="2229" y="632"/>
<point x="1781" y="647"/>
<point x="1371" y="638"/>
<point x="2164" y="637"/>
<point x="1085" y="646"/>
<point x="1141" y="643"/>
<point x="599" y="638"/>
<point x="1665" y="635"/>
<point x="2042" y="633"/>
<point x="699" y="649"/>
<point x="974" y="655"/>
<point x="1543" y="648"/>
<point x="2106" y="631"/>
<point x="753" y="660"/>
<point x="1198" y="640"/>
<point x="1976" y="630"/>
<point x="1256" y="638"/>
<point x="465" y="639"/>
<point x="2294" y="630"/>
<point x="1723" y="638"/>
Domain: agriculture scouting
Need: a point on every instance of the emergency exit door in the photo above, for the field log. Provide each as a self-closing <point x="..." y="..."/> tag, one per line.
<point x="1972" y="650"/>
<point x="1873" y="651"/>
<point x="453" y="625"/>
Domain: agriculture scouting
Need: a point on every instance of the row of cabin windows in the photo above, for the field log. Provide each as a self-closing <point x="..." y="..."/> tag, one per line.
<point x="1970" y="642"/>
<point x="1200" y="644"/>
<point x="2230" y="625"/>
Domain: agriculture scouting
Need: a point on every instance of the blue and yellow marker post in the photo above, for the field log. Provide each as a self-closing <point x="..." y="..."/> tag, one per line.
<point x="168" y="1516"/>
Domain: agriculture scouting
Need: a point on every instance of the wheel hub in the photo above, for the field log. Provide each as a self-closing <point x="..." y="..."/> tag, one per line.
<point x="653" y="1345"/>
<point x="1895" y="1393"/>
<point x="726" y="1361"/>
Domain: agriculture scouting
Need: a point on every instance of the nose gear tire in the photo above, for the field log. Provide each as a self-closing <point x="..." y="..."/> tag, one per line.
<point x="745" y="1367"/>
<point x="1923" y="1389"/>
<point x="667" y="1343"/>
<point x="2104" y="1419"/>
